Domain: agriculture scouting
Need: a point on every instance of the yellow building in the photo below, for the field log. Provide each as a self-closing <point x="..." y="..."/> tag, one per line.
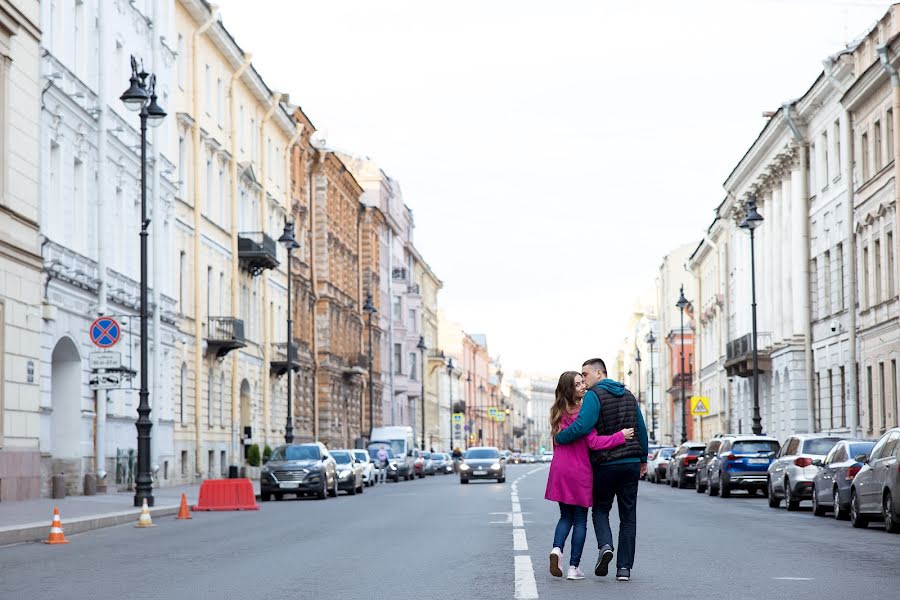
<point x="234" y="171"/>
<point x="437" y="409"/>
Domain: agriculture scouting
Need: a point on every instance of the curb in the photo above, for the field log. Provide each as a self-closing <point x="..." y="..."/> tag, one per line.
<point x="33" y="532"/>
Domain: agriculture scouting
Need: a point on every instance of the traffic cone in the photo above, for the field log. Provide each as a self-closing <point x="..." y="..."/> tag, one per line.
<point x="56" y="532"/>
<point x="145" y="520"/>
<point x="184" y="512"/>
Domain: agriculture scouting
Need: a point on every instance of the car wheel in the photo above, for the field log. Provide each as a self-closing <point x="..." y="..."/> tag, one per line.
<point x="774" y="501"/>
<point x="278" y="497"/>
<point x="839" y="512"/>
<point x="682" y="484"/>
<point x="501" y="480"/>
<point x="700" y="487"/>
<point x="333" y="492"/>
<point x="713" y="489"/>
<point x="464" y="481"/>
<point x="362" y="487"/>
<point x="724" y="490"/>
<point x="891" y="523"/>
<point x="322" y="492"/>
<point x="790" y="501"/>
<point x="818" y="509"/>
<point x="265" y="496"/>
<point x="856" y="519"/>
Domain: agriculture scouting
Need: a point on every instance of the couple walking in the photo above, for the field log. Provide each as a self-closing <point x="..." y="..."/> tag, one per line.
<point x="600" y="454"/>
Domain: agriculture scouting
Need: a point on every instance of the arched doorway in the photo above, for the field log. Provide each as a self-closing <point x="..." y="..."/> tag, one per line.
<point x="65" y="394"/>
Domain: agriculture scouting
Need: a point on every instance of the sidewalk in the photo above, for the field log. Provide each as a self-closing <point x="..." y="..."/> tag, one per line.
<point x="29" y="520"/>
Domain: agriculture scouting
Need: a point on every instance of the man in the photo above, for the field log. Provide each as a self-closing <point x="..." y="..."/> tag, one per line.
<point x="382" y="458"/>
<point x="608" y="407"/>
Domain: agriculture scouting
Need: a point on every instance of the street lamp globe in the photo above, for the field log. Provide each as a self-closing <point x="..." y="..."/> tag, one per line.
<point x="650" y="339"/>
<point x="155" y="112"/>
<point x="682" y="301"/>
<point x="753" y="218"/>
<point x="421" y="345"/>
<point x="287" y="238"/>
<point x="136" y="96"/>
<point x="637" y="356"/>
<point x="368" y="307"/>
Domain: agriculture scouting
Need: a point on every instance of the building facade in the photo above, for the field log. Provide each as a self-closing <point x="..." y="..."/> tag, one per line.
<point x="21" y="367"/>
<point x="436" y="406"/>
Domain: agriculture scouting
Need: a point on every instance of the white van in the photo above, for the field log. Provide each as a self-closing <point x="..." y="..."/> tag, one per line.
<point x="400" y="440"/>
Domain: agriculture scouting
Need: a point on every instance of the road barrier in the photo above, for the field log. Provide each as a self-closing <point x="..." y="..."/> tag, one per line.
<point x="226" y="494"/>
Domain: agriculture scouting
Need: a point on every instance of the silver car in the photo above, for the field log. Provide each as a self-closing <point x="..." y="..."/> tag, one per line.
<point x="875" y="491"/>
<point x="790" y="476"/>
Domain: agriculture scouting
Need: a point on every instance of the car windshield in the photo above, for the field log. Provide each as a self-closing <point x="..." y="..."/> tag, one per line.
<point x="296" y="453"/>
<point x="426" y="455"/>
<point x="361" y="455"/>
<point x="754" y="447"/>
<point x="861" y="448"/>
<point x="666" y="452"/>
<point x="695" y="451"/>
<point x="396" y="446"/>
<point x="341" y="458"/>
<point x="482" y="453"/>
<point x="819" y="445"/>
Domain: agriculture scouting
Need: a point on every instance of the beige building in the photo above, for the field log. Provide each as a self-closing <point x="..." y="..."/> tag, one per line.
<point x="436" y="406"/>
<point x="20" y="255"/>
<point x="234" y="136"/>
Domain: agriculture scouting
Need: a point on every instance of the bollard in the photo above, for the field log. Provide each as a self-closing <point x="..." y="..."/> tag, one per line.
<point x="59" y="486"/>
<point x="90" y="484"/>
<point x="233" y="472"/>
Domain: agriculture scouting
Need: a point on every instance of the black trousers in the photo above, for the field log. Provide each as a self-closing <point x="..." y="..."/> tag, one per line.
<point x="619" y="482"/>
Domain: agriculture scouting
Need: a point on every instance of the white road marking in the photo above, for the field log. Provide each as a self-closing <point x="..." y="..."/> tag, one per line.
<point x="517" y="520"/>
<point x="526" y="586"/>
<point x="793" y="578"/>
<point x="520" y="542"/>
<point x="516" y="507"/>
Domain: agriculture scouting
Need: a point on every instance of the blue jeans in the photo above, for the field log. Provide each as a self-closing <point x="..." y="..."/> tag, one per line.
<point x="619" y="482"/>
<point x="572" y="518"/>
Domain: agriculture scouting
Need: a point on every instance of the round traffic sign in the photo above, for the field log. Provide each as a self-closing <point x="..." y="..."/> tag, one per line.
<point x="105" y="332"/>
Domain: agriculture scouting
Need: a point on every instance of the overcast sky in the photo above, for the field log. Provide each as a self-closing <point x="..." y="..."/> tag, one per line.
<point x="551" y="151"/>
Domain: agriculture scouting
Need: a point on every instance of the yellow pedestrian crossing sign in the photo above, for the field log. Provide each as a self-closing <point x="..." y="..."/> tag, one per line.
<point x="457" y="418"/>
<point x="699" y="406"/>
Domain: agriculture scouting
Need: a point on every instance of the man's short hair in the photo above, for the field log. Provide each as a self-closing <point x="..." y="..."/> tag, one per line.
<point x="597" y="363"/>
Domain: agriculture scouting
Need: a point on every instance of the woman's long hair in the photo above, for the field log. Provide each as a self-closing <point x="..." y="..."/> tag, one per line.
<point x="565" y="400"/>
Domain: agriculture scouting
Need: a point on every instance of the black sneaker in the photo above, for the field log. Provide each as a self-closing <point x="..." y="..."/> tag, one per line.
<point x="623" y="574"/>
<point x="601" y="569"/>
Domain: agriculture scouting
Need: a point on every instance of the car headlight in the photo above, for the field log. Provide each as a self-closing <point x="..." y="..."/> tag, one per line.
<point x="495" y="467"/>
<point x="464" y="467"/>
<point x="345" y="474"/>
<point x="394" y="466"/>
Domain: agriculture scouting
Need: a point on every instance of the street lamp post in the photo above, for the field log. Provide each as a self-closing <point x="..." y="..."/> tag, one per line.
<point x="751" y="221"/>
<point x="450" y="396"/>
<point x="479" y="407"/>
<point x="290" y="244"/>
<point x="421" y="346"/>
<point x="494" y="420"/>
<point x="681" y="304"/>
<point x="637" y="359"/>
<point x="651" y="340"/>
<point x="141" y="96"/>
<point x="369" y="309"/>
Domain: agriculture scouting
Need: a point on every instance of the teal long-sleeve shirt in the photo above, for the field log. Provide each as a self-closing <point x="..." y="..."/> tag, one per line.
<point x="588" y="417"/>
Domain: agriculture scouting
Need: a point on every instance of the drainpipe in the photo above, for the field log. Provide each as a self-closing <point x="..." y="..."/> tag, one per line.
<point x="850" y="233"/>
<point x="235" y="264"/>
<point x="198" y="219"/>
<point x="390" y="315"/>
<point x="267" y="314"/>
<point x="802" y="216"/>
<point x="102" y="181"/>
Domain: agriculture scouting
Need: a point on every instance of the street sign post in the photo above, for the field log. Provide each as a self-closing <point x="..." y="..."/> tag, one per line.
<point x="699" y="406"/>
<point x="105" y="360"/>
<point x="105" y="332"/>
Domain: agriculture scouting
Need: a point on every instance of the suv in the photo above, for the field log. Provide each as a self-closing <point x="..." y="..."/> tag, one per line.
<point x="742" y="462"/>
<point x="875" y="491"/>
<point x="683" y="466"/>
<point x="790" y="476"/>
<point x="703" y="461"/>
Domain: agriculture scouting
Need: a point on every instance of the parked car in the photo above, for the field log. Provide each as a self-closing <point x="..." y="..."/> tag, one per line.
<point x="831" y="485"/>
<point x="299" y="469"/>
<point x="530" y="459"/>
<point x="370" y="471"/>
<point x="682" y="468"/>
<point x="742" y="462"/>
<point x="482" y="462"/>
<point x="658" y="464"/>
<point x="442" y="463"/>
<point x="711" y="450"/>
<point x="517" y="458"/>
<point x="350" y="472"/>
<point x="423" y="464"/>
<point x="791" y="473"/>
<point x="398" y="467"/>
<point x="546" y="457"/>
<point x="875" y="491"/>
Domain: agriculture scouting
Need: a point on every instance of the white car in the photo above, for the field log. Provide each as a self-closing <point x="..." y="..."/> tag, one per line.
<point x="546" y="457"/>
<point x="370" y="473"/>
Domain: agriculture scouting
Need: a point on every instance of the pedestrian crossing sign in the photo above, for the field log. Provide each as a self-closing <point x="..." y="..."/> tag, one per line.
<point x="699" y="406"/>
<point x="457" y="418"/>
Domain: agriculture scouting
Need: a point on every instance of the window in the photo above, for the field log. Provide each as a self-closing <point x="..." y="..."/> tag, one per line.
<point x="413" y="366"/>
<point x="814" y="288"/>
<point x="843" y="399"/>
<point x="222" y="295"/>
<point x="864" y="155"/>
<point x="891" y="273"/>
<point x="865" y="278"/>
<point x="890" y="134"/>
<point x="877" y="132"/>
<point x="817" y="405"/>
<point x="877" y="257"/>
<point x="398" y="359"/>
<point x="222" y="400"/>
<point x="223" y="464"/>
<point x="870" y="393"/>
<point x="209" y="399"/>
<point x="181" y="166"/>
<point x="824" y="161"/>
<point x="184" y="463"/>
<point x="827" y="280"/>
<point x="243" y="135"/>
<point x="224" y="209"/>
<point x="412" y="318"/>
<point x="210" y="213"/>
<point x="182" y="282"/>
<point x="180" y="60"/>
<point x="181" y="393"/>
<point x="883" y="398"/>
<point x="836" y="137"/>
<point x="209" y="291"/>
<point x="220" y="102"/>
<point x="212" y="463"/>
<point x="840" y="283"/>
<point x="207" y="88"/>
<point x="396" y="308"/>
<point x="830" y="400"/>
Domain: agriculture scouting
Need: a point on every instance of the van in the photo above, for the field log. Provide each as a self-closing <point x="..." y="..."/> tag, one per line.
<point x="402" y="444"/>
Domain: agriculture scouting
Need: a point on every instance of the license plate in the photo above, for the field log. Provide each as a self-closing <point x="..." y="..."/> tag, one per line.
<point x="758" y="461"/>
<point x="479" y="472"/>
<point x="289" y="485"/>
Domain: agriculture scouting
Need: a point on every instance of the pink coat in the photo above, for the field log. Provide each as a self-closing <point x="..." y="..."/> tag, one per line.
<point x="571" y="478"/>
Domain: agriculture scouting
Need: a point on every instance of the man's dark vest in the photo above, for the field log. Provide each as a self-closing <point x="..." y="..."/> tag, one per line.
<point x="616" y="413"/>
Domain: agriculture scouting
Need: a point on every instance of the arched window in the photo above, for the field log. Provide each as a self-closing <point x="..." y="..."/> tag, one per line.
<point x="209" y="398"/>
<point x="222" y="400"/>
<point x="181" y="392"/>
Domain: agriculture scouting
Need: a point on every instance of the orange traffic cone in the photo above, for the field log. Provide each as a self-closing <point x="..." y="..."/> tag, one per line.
<point x="145" y="520"/>
<point x="184" y="512"/>
<point x="56" y="532"/>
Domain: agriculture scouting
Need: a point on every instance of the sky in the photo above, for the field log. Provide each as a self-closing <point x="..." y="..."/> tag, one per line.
<point x="552" y="152"/>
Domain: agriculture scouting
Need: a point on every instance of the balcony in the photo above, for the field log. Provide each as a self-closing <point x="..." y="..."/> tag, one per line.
<point x="224" y="334"/>
<point x="257" y="252"/>
<point x="279" y="364"/>
<point x="739" y="355"/>
<point x="399" y="274"/>
<point x="688" y="379"/>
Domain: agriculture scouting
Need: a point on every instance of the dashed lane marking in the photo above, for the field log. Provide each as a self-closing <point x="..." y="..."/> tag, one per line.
<point x="526" y="586"/>
<point x="517" y="520"/>
<point x="520" y="542"/>
<point x="793" y="578"/>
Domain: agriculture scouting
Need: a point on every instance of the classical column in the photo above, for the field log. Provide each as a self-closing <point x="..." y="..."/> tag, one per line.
<point x="787" y="256"/>
<point x="775" y="238"/>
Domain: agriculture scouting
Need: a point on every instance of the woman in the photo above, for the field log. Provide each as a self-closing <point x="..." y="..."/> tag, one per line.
<point x="571" y="478"/>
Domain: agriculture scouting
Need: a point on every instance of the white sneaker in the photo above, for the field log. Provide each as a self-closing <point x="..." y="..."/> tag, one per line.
<point x="575" y="573"/>
<point x="555" y="557"/>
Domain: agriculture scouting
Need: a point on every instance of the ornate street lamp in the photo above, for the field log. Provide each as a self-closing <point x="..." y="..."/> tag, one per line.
<point x="681" y="304"/>
<point x="650" y="341"/>
<point x="637" y="359"/>
<point x="369" y="309"/>
<point x="141" y="97"/>
<point x="750" y="223"/>
<point x="290" y="244"/>
<point x="421" y="346"/>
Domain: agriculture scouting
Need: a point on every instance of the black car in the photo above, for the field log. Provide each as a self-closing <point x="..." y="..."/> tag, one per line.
<point x="482" y="463"/>
<point x="683" y="466"/>
<point x="703" y="461"/>
<point x="831" y="485"/>
<point x="299" y="469"/>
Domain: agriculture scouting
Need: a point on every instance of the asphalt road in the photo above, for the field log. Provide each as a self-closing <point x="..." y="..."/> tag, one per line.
<point x="437" y="539"/>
